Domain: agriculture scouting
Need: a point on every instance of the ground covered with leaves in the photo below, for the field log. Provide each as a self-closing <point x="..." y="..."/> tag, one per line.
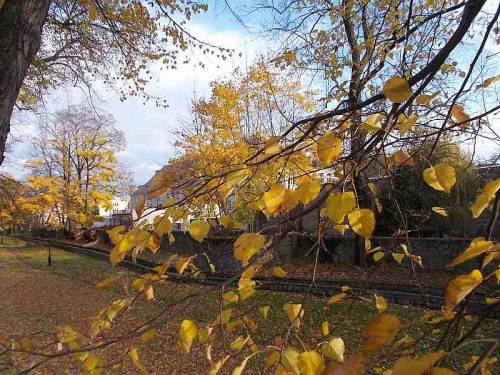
<point x="38" y="299"/>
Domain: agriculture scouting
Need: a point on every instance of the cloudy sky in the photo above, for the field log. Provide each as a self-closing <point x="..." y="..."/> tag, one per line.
<point x="148" y="129"/>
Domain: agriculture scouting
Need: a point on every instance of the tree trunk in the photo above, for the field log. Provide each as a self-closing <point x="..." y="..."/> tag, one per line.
<point x="21" y="23"/>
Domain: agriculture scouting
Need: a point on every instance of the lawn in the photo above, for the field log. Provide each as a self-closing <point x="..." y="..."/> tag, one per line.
<point x="37" y="297"/>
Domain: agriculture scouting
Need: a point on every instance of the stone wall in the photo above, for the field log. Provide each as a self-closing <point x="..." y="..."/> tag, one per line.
<point x="435" y="252"/>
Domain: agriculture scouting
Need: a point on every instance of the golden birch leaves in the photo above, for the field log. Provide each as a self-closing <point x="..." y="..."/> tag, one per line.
<point x="397" y="90"/>
<point x="440" y="177"/>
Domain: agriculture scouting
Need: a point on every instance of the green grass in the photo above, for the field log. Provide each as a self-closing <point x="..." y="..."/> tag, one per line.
<point x="346" y="319"/>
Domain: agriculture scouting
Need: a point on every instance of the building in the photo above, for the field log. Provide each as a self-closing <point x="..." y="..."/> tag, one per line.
<point x="118" y="214"/>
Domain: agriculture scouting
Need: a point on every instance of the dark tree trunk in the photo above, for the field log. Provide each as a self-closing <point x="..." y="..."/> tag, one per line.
<point x="21" y="23"/>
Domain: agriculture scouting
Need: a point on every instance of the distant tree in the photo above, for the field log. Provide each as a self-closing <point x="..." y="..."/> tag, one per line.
<point x="46" y="43"/>
<point x="73" y="156"/>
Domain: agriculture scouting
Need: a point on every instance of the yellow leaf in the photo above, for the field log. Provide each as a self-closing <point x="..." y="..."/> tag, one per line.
<point x="204" y="334"/>
<point x="378" y="256"/>
<point x="307" y="190"/>
<point x="334" y="349"/>
<point x="181" y="264"/>
<point x="405" y="123"/>
<point x="264" y="310"/>
<point x="236" y="177"/>
<point x="295" y="312"/>
<point x="397" y="90"/>
<point x="246" y="245"/>
<point x="336" y="298"/>
<point x="67" y="334"/>
<point x="148" y="336"/>
<point x="246" y="285"/>
<point x="239" y="370"/>
<point x="329" y="148"/>
<point x="272" y="146"/>
<point x="310" y="363"/>
<point x="149" y="293"/>
<point x="488" y="81"/>
<point x="279" y="272"/>
<point x="223" y="317"/>
<point x="134" y="355"/>
<point x="408" y="366"/>
<point x="338" y="205"/>
<point x="115" y="234"/>
<point x="372" y="123"/>
<point x="289" y="360"/>
<point x="398" y="257"/>
<point x="483" y="200"/>
<point x="325" y="329"/>
<point x="400" y="157"/>
<point x="440" y="177"/>
<point x="460" y="287"/>
<point x="275" y="197"/>
<point x="362" y="221"/>
<point x="457" y="111"/>
<point x="382" y="329"/>
<point x="426" y="99"/>
<point x="229" y="223"/>
<point x="163" y="226"/>
<point x="477" y="247"/>
<point x="440" y="211"/>
<point x="218" y="365"/>
<point x="187" y="333"/>
<point x="380" y="303"/>
<point x="230" y="297"/>
<point x="198" y="229"/>
<point x="110" y="281"/>
<point x="239" y="342"/>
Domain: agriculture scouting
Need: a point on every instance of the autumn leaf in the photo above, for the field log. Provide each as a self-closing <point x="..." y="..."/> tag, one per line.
<point x="198" y="229"/>
<point x="440" y="177"/>
<point x="457" y="111"/>
<point x="405" y="123"/>
<point x="325" y="329"/>
<point x="139" y="205"/>
<point x="334" y="349"/>
<point x="440" y="211"/>
<point x="355" y="365"/>
<point x="279" y="272"/>
<point x="398" y="257"/>
<point x="378" y="256"/>
<point x="272" y="146"/>
<point x="372" y="123"/>
<point x="115" y="234"/>
<point x="110" y="281"/>
<point x="274" y="197"/>
<point x="218" y="365"/>
<point x="408" y="366"/>
<point x="310" y="363"/>
<point x="488" y="81"/>
<point x="329" y="148"/>
<point x="477" y="247"/>
<point x="460" y="287"/>
<point x="380" y="303"/>
<point x="338" y="205"/>
<point x="230" y="297"/>
<point x="380" y="331"/>
<point x="295" y="312"/>
<point x="426" y="99"/>
<point x="397" y="90"/>
<point x="148" y="336"/>
<point x="246" y="245"/>
<point x="187" y="333"/>
<point x="239" y="342"/>
<point x="264" y="310"/>
<point x="400" y="157"/>
<point x="307" y="190"/>
<point x="483" y="200"/>
<point x="362" y="221"/>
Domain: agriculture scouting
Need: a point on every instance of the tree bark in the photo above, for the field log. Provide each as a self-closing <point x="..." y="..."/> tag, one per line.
<point x="21" y="23"/>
